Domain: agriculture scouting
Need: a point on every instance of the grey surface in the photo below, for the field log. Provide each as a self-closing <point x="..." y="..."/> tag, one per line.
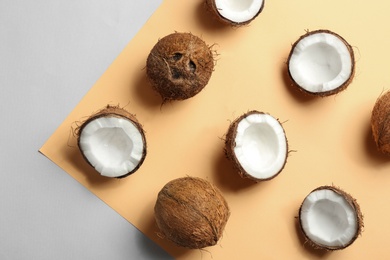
<point x="51" y="53"/>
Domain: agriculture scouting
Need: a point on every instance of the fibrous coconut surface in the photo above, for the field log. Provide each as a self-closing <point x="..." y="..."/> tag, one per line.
<point x="179" y="66"/>
<point x="191" y="212"/>
<point x="380" y="123"/>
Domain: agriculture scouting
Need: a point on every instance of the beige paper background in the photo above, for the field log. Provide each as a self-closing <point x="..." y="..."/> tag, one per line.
<point x="331" y="136"/>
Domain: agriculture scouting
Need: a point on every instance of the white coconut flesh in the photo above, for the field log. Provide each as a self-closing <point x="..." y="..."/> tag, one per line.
<point x="239" y="11"/>
<point x="113" y="146"/>
<point x="261" y="145"/>
<point x="328" y="219"/>
<point x="320" y="62"/>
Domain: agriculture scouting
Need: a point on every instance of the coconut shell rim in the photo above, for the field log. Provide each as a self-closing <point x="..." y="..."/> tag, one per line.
<point x="213" y="8"/>
<point x="113" y="111"/>
<point x="352" y="202"/>
<point x="329" y="92"/>
<point x="230" y="144"/>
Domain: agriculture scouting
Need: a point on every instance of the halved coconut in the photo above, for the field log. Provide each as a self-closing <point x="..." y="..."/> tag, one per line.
<point x="236" y="12"/>
<point x="256" y="144"/>
<point x="179" y="66"/>
<point x="113" y="142"/>
<point x="330" y="218"/>
<point x="380" y="123"/>
<point x="321" y="63"/>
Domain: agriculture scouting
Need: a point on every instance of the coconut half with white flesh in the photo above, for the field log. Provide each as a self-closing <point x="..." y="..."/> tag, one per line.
<point x="113" y="142"/>
<point x="236" y="12"/>
<point x="257" y="145"/>
<point x="330" y="218"/>
<point x="321" y="63"/>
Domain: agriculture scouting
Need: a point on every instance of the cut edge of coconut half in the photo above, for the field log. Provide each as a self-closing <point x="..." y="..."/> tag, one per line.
<point x="112" y="142"/>
<point x="236" y="12"/>
<point x="257" y="144"/>
<point x="330" y="218"/>
<point x="321" y="63"/>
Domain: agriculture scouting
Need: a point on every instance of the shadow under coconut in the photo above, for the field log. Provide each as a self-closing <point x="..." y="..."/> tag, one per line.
<point x="92" y="176"/>
<point x="372" y="151"/>
<point x="150" y="227"/>
<point x="150" y="99"/>
<point x="144" y="91"/>
<point x="208" y="20"/>
<point x="298" y="94"/>
<point x="150" y="249"/>
<point x="227" y="178"/>
<point x="321" y="253"/>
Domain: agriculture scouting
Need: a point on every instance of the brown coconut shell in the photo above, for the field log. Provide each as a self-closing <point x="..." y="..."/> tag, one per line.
<point x="359" y="219"/>
<point x="114" y="111"/>
<point x="380" y="123"/>
<point x="179" y="66"/>
<point x="191" y="212"/>
<point x="330" y="92"/>
<point x="230" y="144"/>
<point x="214" y="10"/>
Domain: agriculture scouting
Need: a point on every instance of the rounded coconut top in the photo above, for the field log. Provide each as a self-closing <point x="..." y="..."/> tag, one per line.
<point x="330" y="218"/>
<point x="257" y="145"/>
<point x="179" y="66"/>
<point x="191" y="212"/>
<point x="112" y="142"/>
<point x="321" y="63"/>
<point x="238" y="12"/>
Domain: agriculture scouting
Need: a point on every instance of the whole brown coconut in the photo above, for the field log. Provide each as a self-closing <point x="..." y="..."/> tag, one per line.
<point x="112" y="141"/>
<point x="179" y="66"/>
<point x="330" y="218"/>
<point x="380" y="123"/>
<point x="191" y="212"/>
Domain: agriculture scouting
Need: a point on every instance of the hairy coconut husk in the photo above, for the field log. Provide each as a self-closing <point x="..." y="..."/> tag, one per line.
<point x="380" y="123"/>
<point x="341" y="87"/>
<point x="230" y="144"/>
<point x="359" y="219"/>
<point x="191" y="212"/>
<point x="114" y="111"/>
<point x="214" y="9"/>
<point x="179" y="66"/>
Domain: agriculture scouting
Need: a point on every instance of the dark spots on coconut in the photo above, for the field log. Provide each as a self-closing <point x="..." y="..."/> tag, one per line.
<point x="192" y="66"/>
<point x="176" y="74"/>
<point x="179" y="66"/>
<point x="177" y="56"/>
